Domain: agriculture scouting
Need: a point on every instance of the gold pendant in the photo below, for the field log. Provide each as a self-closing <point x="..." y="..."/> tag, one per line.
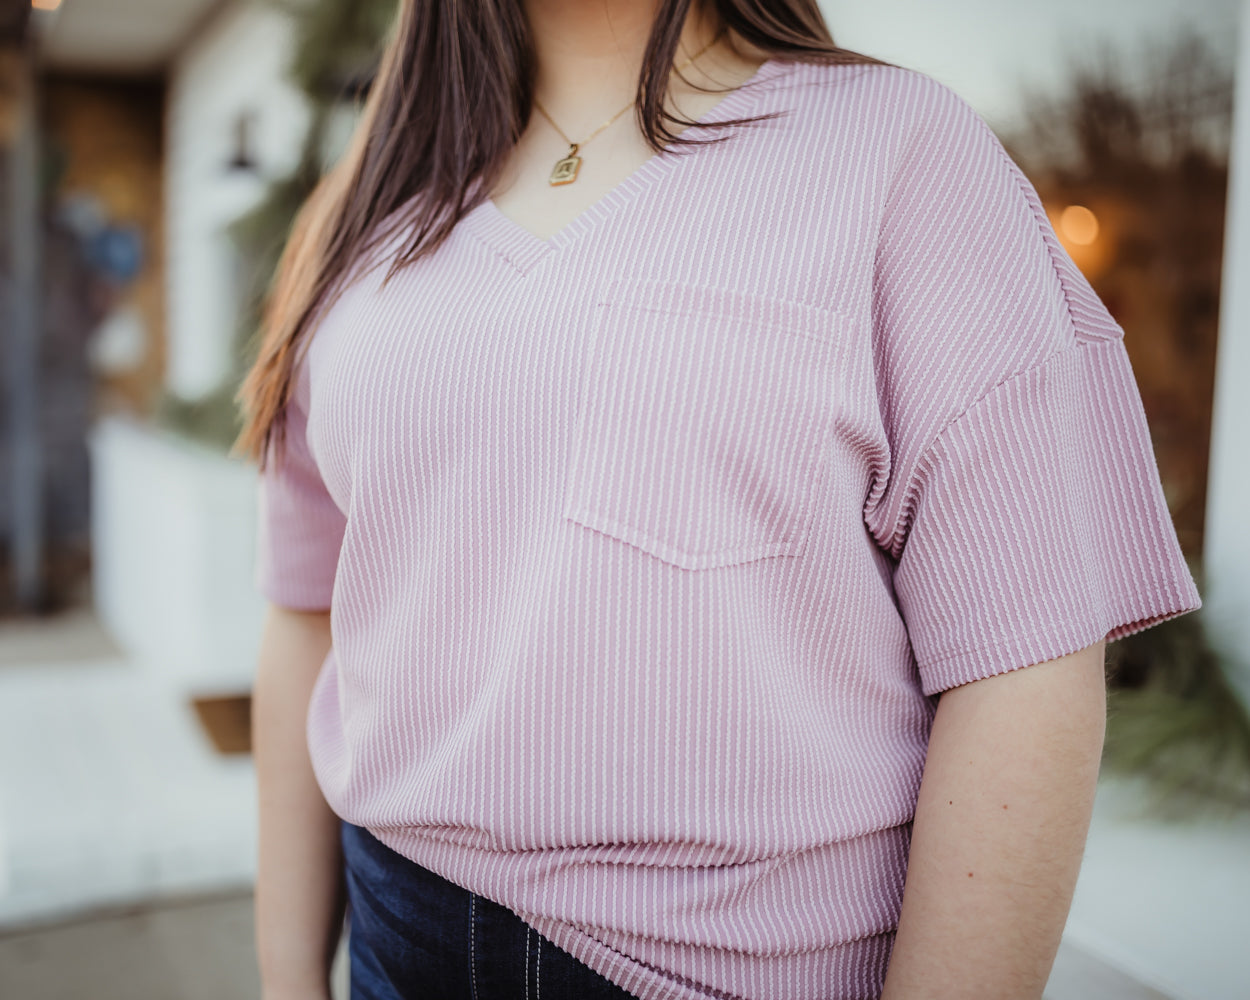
<point x="565" y="171"/>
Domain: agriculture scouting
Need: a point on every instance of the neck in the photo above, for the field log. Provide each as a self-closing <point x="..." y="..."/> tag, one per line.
<point x="590" y="54"/>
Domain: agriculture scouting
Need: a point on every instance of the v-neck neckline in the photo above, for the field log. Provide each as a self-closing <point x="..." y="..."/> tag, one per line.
<point x="524" y="249"/>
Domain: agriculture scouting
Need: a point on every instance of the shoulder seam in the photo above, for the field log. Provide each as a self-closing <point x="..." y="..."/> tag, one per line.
<point x="1048" y="239"/>
<point x="1065" y="287"/>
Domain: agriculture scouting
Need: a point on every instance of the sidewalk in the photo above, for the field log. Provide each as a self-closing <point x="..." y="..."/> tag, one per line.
<point x="1167" y="902"/>
<point x="110" y="792"/>
<point x="127" y="854"/>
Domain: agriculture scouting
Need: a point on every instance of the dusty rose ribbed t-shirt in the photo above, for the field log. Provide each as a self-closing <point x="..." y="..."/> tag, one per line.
<point x="649" y="546"/>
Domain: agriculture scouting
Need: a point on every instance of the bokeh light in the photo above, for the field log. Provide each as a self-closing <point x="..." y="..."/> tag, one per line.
<point x="1079" y="225"/>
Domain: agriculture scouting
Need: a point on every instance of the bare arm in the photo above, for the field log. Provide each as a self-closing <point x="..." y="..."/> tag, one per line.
<point x="300" y="897"/>
<point x="999" y="832"/>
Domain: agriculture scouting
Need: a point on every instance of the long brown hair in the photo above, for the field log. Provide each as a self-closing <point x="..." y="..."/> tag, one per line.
<point x="452" y="94"/>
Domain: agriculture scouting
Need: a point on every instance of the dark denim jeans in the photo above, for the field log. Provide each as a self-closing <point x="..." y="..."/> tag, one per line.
<point x="415" y="936"/>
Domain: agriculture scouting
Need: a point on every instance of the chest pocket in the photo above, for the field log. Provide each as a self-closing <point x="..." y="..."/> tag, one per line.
<point x="702" y="422"/>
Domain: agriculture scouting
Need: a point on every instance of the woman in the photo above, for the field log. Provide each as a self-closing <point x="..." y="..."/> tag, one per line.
<point x="685" y="511"/>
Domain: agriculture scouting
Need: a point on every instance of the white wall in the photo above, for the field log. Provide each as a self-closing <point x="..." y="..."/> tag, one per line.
<point x="1227" y="538"/>
<point x="173" y="552"/>
<point x="235" y="65"/>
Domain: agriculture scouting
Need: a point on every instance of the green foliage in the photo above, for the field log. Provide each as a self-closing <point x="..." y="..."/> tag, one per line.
<point x="260" y="236"/>
<point x="1195" y="749"/>
<point x="212" y="420"/>
<point x="1174" y="718"/>
<point x="339" y="44"/>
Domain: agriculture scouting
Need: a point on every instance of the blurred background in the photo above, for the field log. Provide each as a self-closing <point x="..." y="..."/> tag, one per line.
<point x="152" y="154"/>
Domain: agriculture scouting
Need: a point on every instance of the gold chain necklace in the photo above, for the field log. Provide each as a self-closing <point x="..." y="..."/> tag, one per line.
<point x="565" y="171"/>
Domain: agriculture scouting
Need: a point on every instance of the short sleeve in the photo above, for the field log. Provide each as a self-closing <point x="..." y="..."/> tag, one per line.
<point x="1023" y="505"/>
<point x="299" y="526"/>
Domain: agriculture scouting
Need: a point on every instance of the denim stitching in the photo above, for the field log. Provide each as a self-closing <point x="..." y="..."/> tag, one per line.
<point x="527" y="963"/>
<point x="472" y="959"/>
<point x="538" y="971"/>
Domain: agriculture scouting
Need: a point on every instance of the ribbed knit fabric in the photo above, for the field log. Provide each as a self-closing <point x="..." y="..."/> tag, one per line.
<point x="648" y="546"/>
